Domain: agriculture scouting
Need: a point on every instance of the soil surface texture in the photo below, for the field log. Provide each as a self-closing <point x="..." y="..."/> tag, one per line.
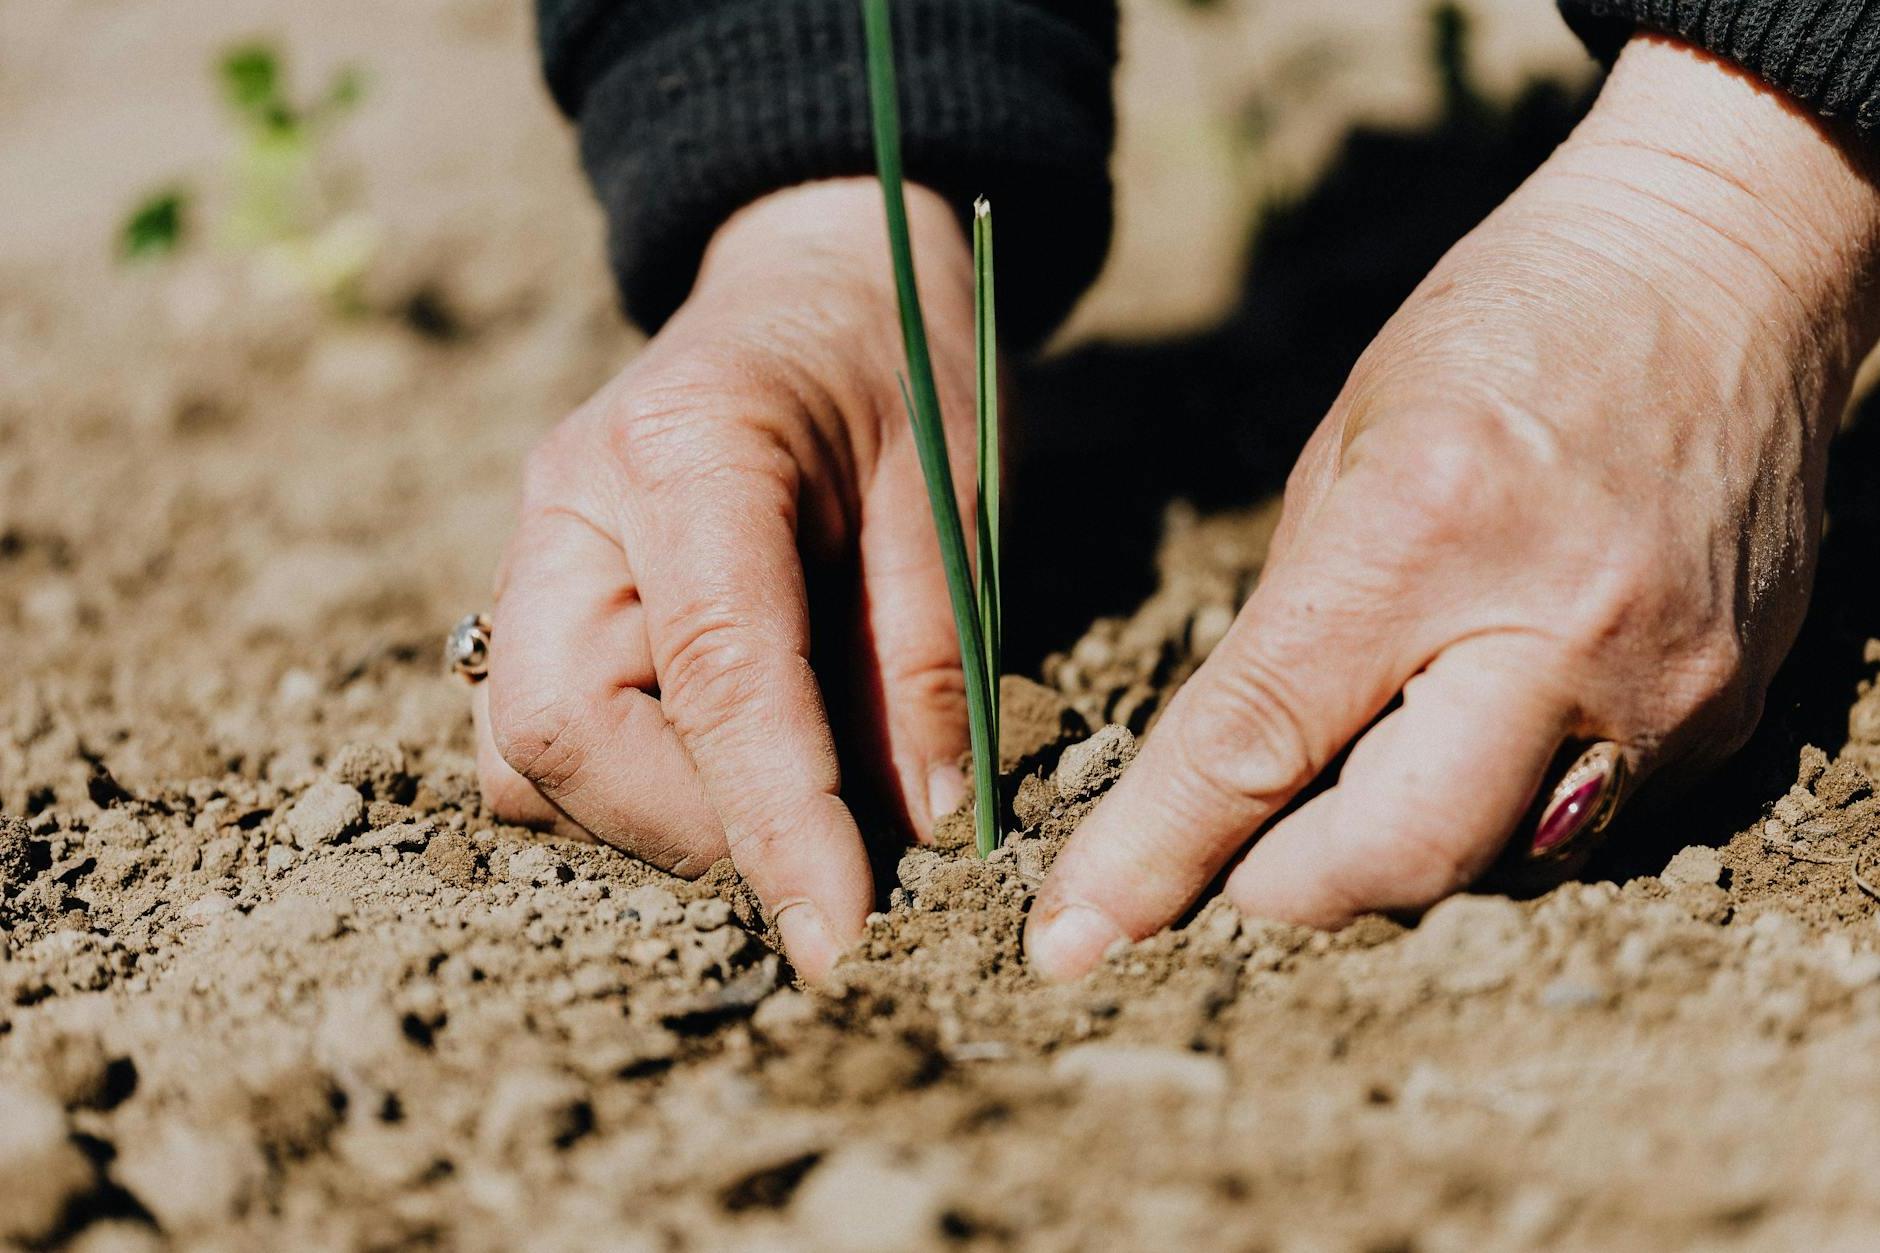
<point x="271" y="977"/>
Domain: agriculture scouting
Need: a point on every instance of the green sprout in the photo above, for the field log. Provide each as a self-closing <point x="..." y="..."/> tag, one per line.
<point x="976" y="608"/>
<point x="282" y="206"/>
<point x="156" y="227"/>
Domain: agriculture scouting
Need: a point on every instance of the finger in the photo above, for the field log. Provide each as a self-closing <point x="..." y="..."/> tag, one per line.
<point x="1426" y="800"/>
<point x="509" y="796"/>
<point x="1324" y="643"/>
<point x="727" y="613"/>
<point x="915" y="646"/>
<point x="1307" y="487"/>
<point x="568" y="709"/>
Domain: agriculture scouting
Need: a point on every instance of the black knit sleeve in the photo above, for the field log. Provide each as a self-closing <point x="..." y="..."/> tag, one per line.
<point x="690" y="109"/>
<point x="1825" y="53"/>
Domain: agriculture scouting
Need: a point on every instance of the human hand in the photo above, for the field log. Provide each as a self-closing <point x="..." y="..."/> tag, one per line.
<point x="1572" y="492"/>
<point x="649" y="677"/>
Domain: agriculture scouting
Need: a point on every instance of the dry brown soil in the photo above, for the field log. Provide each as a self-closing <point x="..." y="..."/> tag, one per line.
<point x="271" y="978"/>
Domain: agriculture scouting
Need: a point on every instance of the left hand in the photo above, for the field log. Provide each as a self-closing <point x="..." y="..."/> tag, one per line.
<point x="1572" y="492"/>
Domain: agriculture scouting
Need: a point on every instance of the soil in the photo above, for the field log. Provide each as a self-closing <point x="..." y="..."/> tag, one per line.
<point x="270" y="977"/>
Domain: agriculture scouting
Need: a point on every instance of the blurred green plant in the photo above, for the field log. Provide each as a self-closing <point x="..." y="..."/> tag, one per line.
<point x="284" y="203"/>
<point x="156" y="228"/>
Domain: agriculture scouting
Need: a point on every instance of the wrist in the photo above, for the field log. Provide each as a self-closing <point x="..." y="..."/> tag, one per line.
<point x="1733" y="179"/>
<point x="832" y="234"/>
<point x="807" y="271"/>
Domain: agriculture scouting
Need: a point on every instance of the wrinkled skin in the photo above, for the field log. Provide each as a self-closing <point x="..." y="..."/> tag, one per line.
<point x="1572" y="492"/>
<point x="650" y="679"/>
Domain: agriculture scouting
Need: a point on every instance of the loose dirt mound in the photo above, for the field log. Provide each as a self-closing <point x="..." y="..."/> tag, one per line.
<point x="346" y="1010"/>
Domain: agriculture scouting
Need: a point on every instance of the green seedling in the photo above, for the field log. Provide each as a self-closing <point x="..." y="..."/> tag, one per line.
<point x="279" y="194"/>
<point x="157" y="227"/>
<point x="976" y="606"/>
<point x="283" y="205"/>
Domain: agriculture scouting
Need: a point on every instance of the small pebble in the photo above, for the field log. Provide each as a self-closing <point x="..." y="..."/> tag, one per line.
<point x="16" y="854"/>
<point x="533" y="1112"/>
<point x="325" y="814"/>
<point x="205" y="908"/>
<point x="649" y="952"/>
<point x="539" y="866"/>
<point x="1086" y="767"/>
<point x="407" y="836"/>
<point x="375" y="770"/>
<point x="1693" y="866"/>
<point x="1569" y="994"/>
<point x="1470" y="944"/>
<point x="1201" y="1076"/>
<point x="44" y="1170"/>
<point x="655" y="906"/>
<point x="453" y="859"/>
<point x="785" y="1011"/>
<point x="861" y="1200"/>
<point x="191" y="1178"/>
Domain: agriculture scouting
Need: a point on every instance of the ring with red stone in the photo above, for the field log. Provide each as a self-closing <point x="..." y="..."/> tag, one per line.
<point x="1581" y="804"/>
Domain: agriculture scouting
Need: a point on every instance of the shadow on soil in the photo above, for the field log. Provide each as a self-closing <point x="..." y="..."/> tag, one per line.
<point x="1217" y="420"/>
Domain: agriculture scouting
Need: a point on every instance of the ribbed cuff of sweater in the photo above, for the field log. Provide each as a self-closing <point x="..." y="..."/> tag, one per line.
<point x="686" y="120"/>
<point x="1824" y="53"/>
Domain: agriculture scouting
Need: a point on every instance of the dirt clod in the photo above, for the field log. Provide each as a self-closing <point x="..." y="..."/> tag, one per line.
<point x="273" y="975"/>
<point x="325" y="814"/>
<point x="377" y="771"/>
<point x="1696" y="866"/>
<point x="1092" y="764"/>
<point x="1033" y="720"/>
<point x="44" y="1170"/>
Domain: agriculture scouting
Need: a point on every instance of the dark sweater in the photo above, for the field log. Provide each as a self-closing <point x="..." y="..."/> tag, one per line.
<point x="690" y="109"/>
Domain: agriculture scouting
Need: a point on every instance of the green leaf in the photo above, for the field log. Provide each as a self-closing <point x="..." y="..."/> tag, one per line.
<point x="156" y="227"/>
<point x="251" y="81"/>
<point x="347" y="90"/>
<point x="923" y="401"/>
<point x="986" y="352"/>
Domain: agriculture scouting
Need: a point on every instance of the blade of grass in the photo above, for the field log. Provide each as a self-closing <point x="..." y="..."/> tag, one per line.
<point x="923" y="401"/>
<point x="986" y="346"/>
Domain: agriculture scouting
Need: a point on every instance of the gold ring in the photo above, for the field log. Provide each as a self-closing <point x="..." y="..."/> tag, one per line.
<point x="467" y="649"/>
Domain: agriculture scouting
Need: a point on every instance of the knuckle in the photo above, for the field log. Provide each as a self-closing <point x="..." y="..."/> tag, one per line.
<point x="540" y="742"/>
<point x="1242" y="740"/>
<point x="753" y="845"/>
<point x="715" y="664"/>
<point x="677" y="457"/>
<point x="1446" y="487"/>
<point x="1609" y="593"/>
<point x="656" y="430"/>
<point x="927" y="683"/>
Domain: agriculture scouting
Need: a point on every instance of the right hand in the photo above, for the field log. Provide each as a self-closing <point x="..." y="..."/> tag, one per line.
<point x="649" y="681"/>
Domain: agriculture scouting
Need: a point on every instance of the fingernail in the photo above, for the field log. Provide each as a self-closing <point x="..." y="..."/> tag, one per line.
<point x="808" y="940"/>
<point x="1578" y="804"/>
<point x="1065" y="944"/>
<point x="946" y="791"/>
